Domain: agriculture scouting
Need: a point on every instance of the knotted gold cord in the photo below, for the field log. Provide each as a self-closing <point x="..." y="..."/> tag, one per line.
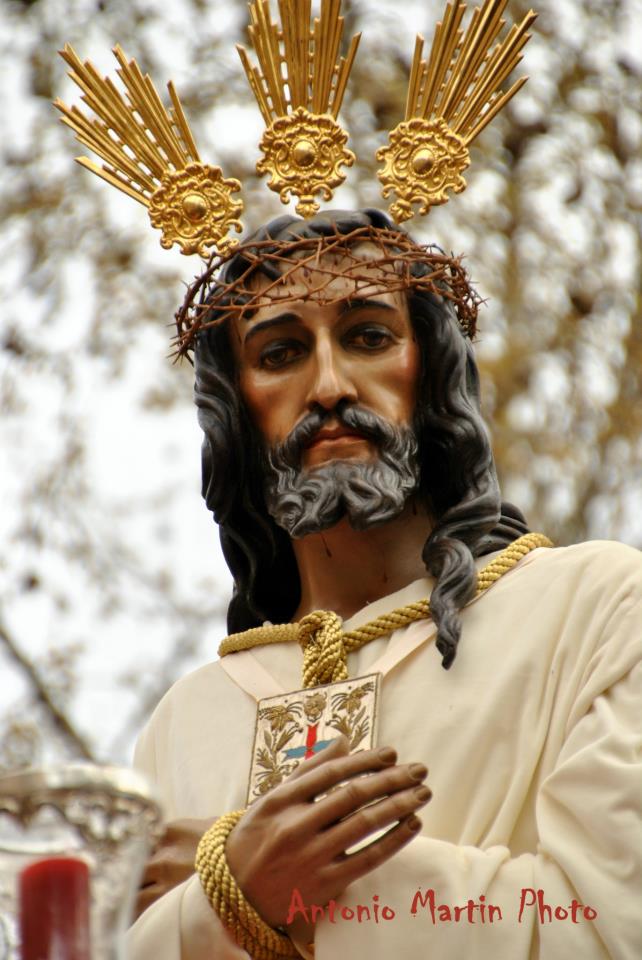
<point x="324" y="654"/>
<point x="326" y="646"/>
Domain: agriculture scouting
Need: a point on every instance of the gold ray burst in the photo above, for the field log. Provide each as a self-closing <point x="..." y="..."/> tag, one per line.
<point x="299" y="87"/>
<point x="452" y="96"/>
<point x="149" y="153"/>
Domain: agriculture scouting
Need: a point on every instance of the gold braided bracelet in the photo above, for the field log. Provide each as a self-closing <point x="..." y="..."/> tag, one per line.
<point x="238" y="916"/>
<point x="325" y="644"/>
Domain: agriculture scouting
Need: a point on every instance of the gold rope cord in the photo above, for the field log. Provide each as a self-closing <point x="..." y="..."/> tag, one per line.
<point x="326" y="646"/>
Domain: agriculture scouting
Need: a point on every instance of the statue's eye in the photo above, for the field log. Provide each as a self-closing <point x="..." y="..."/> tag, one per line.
<point x="279" y="354"/>
<point x="370" y="338"/>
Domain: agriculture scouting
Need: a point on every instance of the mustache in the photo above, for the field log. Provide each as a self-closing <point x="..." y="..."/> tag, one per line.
<point x="368" y="424"/>
<point x="367" y="492"/>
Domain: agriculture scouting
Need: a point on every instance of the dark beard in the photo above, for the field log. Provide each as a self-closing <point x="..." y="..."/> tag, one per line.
<point x="368" y="493"/>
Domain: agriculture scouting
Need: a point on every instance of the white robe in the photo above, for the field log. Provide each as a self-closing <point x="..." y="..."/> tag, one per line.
<point x="533" y="741"/>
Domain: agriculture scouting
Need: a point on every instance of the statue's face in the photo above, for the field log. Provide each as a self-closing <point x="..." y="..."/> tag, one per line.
<point x="299" y="355"/>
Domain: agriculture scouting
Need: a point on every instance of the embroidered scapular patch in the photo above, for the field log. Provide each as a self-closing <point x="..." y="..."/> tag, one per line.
<point x="295" y="726"/>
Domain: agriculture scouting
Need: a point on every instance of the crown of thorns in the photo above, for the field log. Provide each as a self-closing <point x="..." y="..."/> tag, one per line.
<point x="400" y="264"/>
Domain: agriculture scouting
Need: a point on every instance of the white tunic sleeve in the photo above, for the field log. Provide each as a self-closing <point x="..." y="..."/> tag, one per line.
<point x="588" y="822"/>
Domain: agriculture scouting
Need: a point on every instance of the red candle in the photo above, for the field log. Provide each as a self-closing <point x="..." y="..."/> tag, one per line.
<point x="54" y="910"/>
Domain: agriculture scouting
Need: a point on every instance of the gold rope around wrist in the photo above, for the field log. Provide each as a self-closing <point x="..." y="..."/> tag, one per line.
<point x="238" y="916"/>
<point x="326" y="646"/>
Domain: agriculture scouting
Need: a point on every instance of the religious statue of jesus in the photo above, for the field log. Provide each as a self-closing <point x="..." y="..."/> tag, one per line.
<point x="391" y="614"/>
<point x="348" y="466"/>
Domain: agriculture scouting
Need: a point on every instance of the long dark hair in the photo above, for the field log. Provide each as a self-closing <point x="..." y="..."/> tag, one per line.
<point x="458" y="482"/>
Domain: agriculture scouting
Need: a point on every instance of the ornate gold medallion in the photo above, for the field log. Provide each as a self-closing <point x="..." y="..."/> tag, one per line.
<point x="295" y="726"/>
<point x="452" y="95"/>
<point x="423" y="161"/>
<point x="299" y="82"/>
<point x="303" y="154"/>
<point x="194" y="208"/>
<point x="149" y="153"/>
<point x="299" y="86"/>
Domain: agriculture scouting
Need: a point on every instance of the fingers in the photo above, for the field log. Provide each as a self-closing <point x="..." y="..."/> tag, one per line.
<point x="356" y="865"/>
<point x="185" y="830"/>
<point x="172" y="861"/>
<point x="162" y="873"/>
<point x="164" y="870"/>
<point x="324" y="776"/>
<point x="364" y="790"/>
<point x="156" y="882"/>
<point x="368" y="820"/>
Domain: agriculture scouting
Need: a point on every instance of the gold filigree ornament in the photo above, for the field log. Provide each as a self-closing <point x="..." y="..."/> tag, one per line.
<point x="303" y="154"/>
<point x="194" y="207"/>
<point x="299" y="87"/>
<point x="452" y="96"/>
<point x="424" y="161"/>
<point x="149" y="154"/>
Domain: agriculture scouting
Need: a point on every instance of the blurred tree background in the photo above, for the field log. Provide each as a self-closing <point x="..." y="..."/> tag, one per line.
<point x="111" y="581"/>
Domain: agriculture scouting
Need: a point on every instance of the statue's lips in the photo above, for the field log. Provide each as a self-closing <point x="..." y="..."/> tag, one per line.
<point x="332" y="436"/>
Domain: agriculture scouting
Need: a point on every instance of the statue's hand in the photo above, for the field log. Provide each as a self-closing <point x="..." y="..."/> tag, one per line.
<point x="290" y="839"/>
<point x="172" y="861"/>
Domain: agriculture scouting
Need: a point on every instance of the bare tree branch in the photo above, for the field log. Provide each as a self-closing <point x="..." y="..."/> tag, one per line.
<point x="41" y="694"/>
